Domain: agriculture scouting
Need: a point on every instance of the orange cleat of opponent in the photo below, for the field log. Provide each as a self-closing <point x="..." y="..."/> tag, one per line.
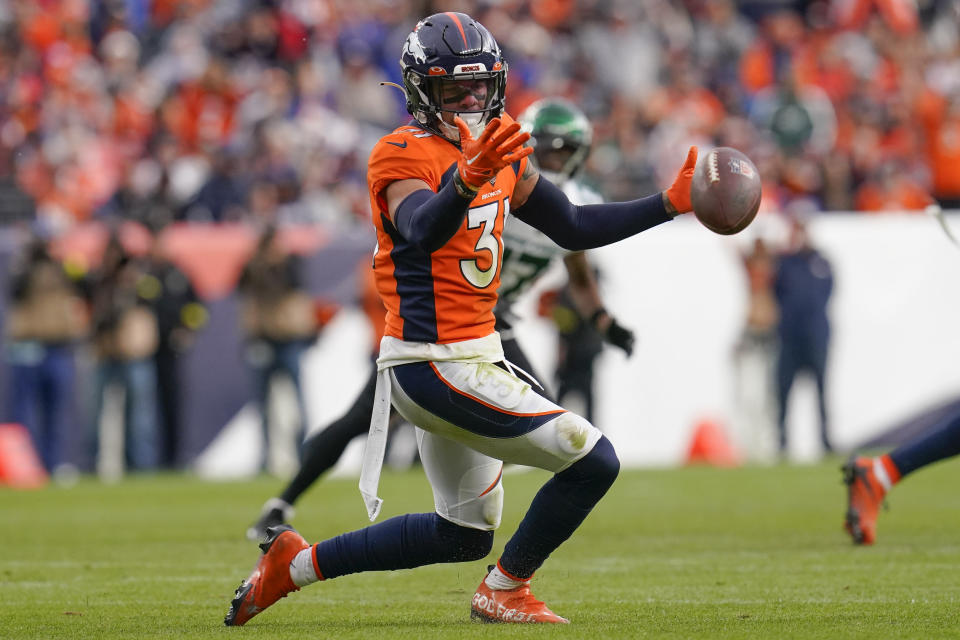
<point x="270" y="579"/>
<point x="865" y="495"/>
<point x="511" y="605"/>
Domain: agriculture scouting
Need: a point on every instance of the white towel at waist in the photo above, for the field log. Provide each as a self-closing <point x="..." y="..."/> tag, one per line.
<point x="395" y="352"/>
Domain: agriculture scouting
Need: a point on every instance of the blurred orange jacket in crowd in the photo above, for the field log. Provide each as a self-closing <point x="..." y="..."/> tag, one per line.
<point x="941" y="120"/>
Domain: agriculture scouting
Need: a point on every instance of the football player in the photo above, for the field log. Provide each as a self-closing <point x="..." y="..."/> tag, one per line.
<point x="440" y="190"/>
<point x="561" y="137"/>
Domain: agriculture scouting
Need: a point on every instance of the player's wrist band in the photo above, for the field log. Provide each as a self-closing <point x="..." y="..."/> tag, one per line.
<point x="463" y="189"/>
<point x="668" y="206"/>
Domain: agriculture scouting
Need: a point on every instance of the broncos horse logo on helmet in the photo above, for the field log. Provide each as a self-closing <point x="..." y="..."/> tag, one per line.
<point x="443" y="50"/>
<point x="561" y="135"/>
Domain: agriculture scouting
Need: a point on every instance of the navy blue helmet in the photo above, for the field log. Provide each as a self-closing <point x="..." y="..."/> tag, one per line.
<point x="445" y="49"/>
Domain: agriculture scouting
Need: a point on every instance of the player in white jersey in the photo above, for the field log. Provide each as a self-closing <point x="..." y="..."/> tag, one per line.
<point x="561" y="136"/>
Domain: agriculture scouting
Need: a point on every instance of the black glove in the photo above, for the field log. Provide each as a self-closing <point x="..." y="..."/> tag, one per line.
<point x="620" y="336"/>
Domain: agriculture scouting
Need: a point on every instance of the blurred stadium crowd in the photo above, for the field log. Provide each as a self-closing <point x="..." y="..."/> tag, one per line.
<point x="262" y="112"/>
<point x="162" y="110"/>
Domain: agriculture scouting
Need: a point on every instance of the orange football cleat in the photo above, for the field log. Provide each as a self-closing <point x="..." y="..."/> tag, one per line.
<point x="270" y="579"/>
<point x="864" y="498"/>
<point x="511" y="605"/>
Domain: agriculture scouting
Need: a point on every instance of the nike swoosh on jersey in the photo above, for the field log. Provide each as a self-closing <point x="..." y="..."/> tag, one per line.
<point x="397" y="144"/>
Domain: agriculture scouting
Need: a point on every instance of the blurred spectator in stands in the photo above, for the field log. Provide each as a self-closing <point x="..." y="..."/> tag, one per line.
<point x="682" y="113"/>
<point x="721" y="37"/>
<point x="222" y="197"/>
<point x="142" y="197"/>
<point x="46" y="317"/>
<point x="201" y="113"/>
<point x="271" y="98"/>
<point x="780" y="44"/>
<point x="891" y="187"/>
<point x="16" y="205"/>
<point x="125" y="342"/>
<point x="800" y="117"/>
<point x="280" y="324"/>
<point x="263" y="201"/>
<point x="93" y="88"/>
<point x="755" y="355"/>
<point x="940" y="115"/>
<point x="900" y="15"/>
<point x="274" y="165"/>
<point x="179" y="316"/>
<point x="803" y="285"/>
<point x="361" y="95"/>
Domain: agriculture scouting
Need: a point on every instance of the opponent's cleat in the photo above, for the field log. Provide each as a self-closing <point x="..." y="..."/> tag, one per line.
<point x="511" y="605"/>
<point x="864" y="498"/>
<point x="274" y="513"/>
<point x="270" y="579"/>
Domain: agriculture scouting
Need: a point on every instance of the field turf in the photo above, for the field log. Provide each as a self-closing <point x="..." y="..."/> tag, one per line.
<point x="679" y="553"/>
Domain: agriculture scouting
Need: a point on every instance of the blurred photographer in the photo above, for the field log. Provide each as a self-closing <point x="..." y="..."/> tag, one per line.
<point x="47" y="317"/>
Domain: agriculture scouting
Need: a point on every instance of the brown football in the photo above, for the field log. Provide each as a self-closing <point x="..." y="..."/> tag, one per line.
<point x="726" y="191"/>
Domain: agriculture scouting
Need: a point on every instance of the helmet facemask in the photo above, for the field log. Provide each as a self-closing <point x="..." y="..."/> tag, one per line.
<point x="438" y="97"/>
<point x="557" y="159"/>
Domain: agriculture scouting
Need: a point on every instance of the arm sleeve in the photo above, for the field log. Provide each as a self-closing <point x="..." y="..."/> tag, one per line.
<point x="578" y="228"/>
<point x="430" y="219"/>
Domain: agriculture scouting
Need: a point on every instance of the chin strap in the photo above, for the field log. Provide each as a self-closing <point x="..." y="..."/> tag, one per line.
<point x="395" y="86"/>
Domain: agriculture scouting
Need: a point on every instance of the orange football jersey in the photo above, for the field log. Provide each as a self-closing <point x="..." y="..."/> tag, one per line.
<point x="448" y="295"/>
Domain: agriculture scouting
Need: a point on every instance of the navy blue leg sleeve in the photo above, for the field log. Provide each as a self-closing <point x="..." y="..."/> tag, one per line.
<point x="559" y="508"/>
<point x="403" y="542"/>
<point x="942" y="443"/>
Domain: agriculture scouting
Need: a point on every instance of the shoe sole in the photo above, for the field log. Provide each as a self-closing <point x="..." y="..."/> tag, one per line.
<point x="484" y="618"/>
<point x="244" y="589"/>
<point x="240" y="595"/>
<point x="479" y="616"/>
<point x="852" y="519"/>
<point x="852" y="525"/>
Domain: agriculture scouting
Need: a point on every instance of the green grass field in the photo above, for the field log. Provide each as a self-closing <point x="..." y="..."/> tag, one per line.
<point x="680" y="553"/>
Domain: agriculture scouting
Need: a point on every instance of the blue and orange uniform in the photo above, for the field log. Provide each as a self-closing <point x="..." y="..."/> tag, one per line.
<point x="440" y="315"/>
<point x="447" y="295"/>
<point x="440" y="195"/>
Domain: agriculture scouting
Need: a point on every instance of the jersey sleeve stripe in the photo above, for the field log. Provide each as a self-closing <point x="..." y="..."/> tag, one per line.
<point x="519" y="167"/>
<point x="413" y="275"/>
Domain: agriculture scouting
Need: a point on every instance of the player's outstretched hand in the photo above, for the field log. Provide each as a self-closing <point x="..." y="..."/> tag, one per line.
<point x="484" y="157"/>
<point x="678" y="195"/>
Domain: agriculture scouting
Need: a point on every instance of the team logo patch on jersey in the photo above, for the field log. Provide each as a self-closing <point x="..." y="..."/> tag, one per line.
<point x="740" y="167"/>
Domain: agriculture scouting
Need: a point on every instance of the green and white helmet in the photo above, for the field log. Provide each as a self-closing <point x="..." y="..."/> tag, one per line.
<point x="561" y="136"/>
